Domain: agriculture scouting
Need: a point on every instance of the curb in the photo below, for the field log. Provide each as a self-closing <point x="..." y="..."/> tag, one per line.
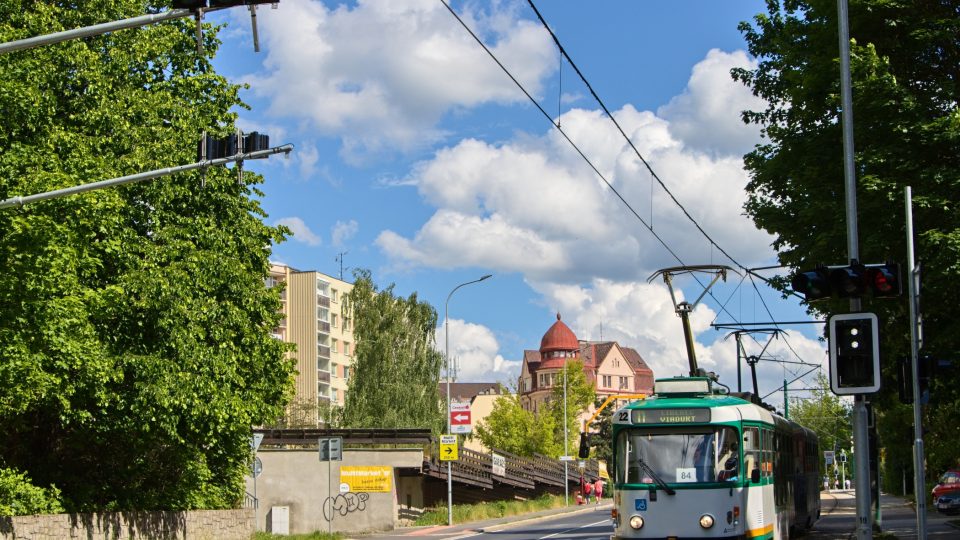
<point x="533" y="519"/>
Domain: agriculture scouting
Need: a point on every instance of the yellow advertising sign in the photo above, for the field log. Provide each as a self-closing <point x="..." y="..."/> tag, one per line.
<point x="448" y="448"/>
<point x="371" y="478"/>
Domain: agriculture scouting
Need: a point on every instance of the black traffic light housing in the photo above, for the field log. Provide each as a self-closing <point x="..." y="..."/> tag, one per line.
<point x="854" y="280"/>
<point x="854" y="354"/>
<point x="231" y="145"/>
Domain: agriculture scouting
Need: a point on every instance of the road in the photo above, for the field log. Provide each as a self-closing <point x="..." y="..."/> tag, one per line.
<point x="837" y="522"/>
<point x="580" y="523"/>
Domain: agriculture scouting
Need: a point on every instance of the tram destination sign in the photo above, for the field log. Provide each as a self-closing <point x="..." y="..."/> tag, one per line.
<point x="671" y="416"/>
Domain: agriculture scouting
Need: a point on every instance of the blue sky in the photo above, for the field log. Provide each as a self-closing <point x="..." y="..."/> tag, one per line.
<point x="418" y="158"/>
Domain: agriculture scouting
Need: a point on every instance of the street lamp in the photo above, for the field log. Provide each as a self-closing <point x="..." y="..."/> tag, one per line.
<point x="446" y="330"/>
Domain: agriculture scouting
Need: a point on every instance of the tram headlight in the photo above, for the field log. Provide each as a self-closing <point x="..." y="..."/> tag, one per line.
<point x="636" y="522"/>
<point x="706" y="521"/>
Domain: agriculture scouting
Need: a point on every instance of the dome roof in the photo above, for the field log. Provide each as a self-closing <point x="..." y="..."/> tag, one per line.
<point x="559" y="338"/>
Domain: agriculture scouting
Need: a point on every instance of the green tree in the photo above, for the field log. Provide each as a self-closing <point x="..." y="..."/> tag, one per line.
<point x="904" y="58"/>
<point x="510" y="428"/>
<point x="579" y="394"/>
<point x="825" y="415"/>
<point x="602" y="429"/>
<point x="135" y="348"/>
<point x="396" y="366"/>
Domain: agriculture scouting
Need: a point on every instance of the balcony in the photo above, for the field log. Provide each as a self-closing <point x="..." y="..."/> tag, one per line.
<point x="323" y="377"/>
<point x="323" y="351"/>
<point x="323" y="301"/>
<point x="323" y="326"/>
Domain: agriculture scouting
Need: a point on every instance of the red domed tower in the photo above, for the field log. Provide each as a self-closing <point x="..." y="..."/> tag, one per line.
<point x="558" y="343"/>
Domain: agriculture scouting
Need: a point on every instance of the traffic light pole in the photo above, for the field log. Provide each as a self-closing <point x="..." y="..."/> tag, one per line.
<point x="860" y="438"/>
<point x="919" y="488"/>
<point x="19" y="202"/>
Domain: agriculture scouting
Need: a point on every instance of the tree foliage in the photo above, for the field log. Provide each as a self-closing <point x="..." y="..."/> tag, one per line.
<point x="825" y="415"/>
<point x="579" y="394"/>
<point x="135" y="348"/>
<point x="396" y="366"/>
<point x="510" y="428"/>
<point x="906" y="124"/>
<point x="602" y="428"/>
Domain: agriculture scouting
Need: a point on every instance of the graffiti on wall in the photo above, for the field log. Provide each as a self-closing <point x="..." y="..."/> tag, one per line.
<point x="344" y="504"/>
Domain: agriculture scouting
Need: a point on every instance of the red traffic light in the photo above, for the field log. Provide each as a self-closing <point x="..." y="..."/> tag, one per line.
<point x="855" y="280"/>
<point x="884" y="280"/>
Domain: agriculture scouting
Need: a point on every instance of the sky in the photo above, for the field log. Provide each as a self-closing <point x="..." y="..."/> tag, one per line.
<point x="417" y="157"/>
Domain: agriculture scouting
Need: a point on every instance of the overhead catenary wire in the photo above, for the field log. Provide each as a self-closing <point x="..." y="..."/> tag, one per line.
<point x="556" y="125"/>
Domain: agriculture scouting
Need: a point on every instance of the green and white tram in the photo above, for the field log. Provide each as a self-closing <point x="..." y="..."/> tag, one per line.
<point x="695" y="461"/>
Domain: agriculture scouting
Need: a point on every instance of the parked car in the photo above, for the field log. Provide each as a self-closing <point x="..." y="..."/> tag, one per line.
<point x="949" y="502"/>
<point x="949" y="484"/>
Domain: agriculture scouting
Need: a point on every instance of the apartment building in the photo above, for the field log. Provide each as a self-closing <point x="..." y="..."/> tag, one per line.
<point x="314" y="319"/>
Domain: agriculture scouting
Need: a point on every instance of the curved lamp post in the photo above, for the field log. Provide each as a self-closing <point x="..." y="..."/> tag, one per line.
<point x="446" y="329"/>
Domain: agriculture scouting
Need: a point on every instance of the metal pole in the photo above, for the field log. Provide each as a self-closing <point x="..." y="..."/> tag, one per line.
<point x="918" y="466"/>
<point x="446" y="354"/>
<point x="94" y="30"/>
<point x="566" y="452"/>
<point x="860" y="436"/>
<point x="140" y="177"/>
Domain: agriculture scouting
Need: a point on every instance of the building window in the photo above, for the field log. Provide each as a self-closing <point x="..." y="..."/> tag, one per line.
<point x="333" y="320"/>
<point x="624" y="382"/>
<point x="334" y="346"/>
<point x="346" y="373"/>
<point x="607" y="383"/>
<point x="346" y="348"/>
<point x="333" y="295"/>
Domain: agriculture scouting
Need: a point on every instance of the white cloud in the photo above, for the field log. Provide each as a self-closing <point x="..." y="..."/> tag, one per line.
<point x="473" y="351"/>
<point x="343" y="231"/>
<point x="533" y="206"/>
<point x="301" y="232"/>
<point x="706" y="115"/>
<point x="642" y="316"/>
<point x="380" y="75"/>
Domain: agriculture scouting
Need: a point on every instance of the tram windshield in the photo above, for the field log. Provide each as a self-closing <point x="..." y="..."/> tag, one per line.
<point x="706" y="454"/>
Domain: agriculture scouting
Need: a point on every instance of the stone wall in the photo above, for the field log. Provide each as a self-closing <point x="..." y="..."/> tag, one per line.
<point x="193" y="525"/>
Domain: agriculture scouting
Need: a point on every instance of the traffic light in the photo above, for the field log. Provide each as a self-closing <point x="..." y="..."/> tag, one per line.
<point x="814" y="284"/>
<point x="196" y="4"/>
<point x="231" y="145"/>
<point x="855" y="280"/>
<point x="854" y="354"/>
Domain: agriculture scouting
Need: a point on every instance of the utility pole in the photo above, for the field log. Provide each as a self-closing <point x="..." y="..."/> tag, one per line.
<point x="860" y="437"/>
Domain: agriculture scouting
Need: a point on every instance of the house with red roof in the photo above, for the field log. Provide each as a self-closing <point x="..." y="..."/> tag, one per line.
<point x="611" y="367"/>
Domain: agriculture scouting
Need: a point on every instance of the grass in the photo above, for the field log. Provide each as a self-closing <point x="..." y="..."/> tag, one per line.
<point x="316" y="535"/>
<point x="465" y="513"/>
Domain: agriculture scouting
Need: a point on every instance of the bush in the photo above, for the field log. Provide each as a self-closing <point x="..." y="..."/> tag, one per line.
<point x="19" y="497"/>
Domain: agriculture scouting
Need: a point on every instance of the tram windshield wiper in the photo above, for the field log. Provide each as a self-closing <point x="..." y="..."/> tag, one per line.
<point x="656" y="478"/>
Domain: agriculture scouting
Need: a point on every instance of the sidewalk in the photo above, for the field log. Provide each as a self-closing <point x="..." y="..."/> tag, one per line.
<point x="897" y="519"/>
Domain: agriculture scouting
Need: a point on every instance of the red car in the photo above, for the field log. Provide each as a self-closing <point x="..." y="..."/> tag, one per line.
<point x="949" y="484"/>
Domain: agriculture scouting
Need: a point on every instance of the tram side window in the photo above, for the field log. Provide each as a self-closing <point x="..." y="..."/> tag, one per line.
<point x="767" y="453"/>
<point x="751" y="450"/>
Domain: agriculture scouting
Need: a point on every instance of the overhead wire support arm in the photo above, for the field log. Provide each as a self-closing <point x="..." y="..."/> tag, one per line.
<point x="94" y="30"/>
<point x="19" y="202"/>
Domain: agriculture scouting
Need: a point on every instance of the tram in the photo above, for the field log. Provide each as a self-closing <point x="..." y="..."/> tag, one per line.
<point x="697" y="461"/>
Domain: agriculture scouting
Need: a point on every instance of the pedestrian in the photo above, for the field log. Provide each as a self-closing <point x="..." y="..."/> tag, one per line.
<point x="598" y="489"/>
<point x="836" y="483"/>
<point x="582" y="491"/>
<point x="587" y="491"/>
<point x="826" y="484"/>
<point x="846" y="483"/>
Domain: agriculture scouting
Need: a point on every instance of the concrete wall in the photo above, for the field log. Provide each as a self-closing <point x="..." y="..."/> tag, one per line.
<point x="298" y="480"/>
<point x="193" y="525"/>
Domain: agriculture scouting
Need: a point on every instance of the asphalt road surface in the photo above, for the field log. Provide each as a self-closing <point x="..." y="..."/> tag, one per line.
<point x="837" y="522"/>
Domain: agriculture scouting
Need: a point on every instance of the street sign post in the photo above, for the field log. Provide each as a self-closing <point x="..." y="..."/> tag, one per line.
<point x="448" y="448"/>
<point x="460" y="421"/>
